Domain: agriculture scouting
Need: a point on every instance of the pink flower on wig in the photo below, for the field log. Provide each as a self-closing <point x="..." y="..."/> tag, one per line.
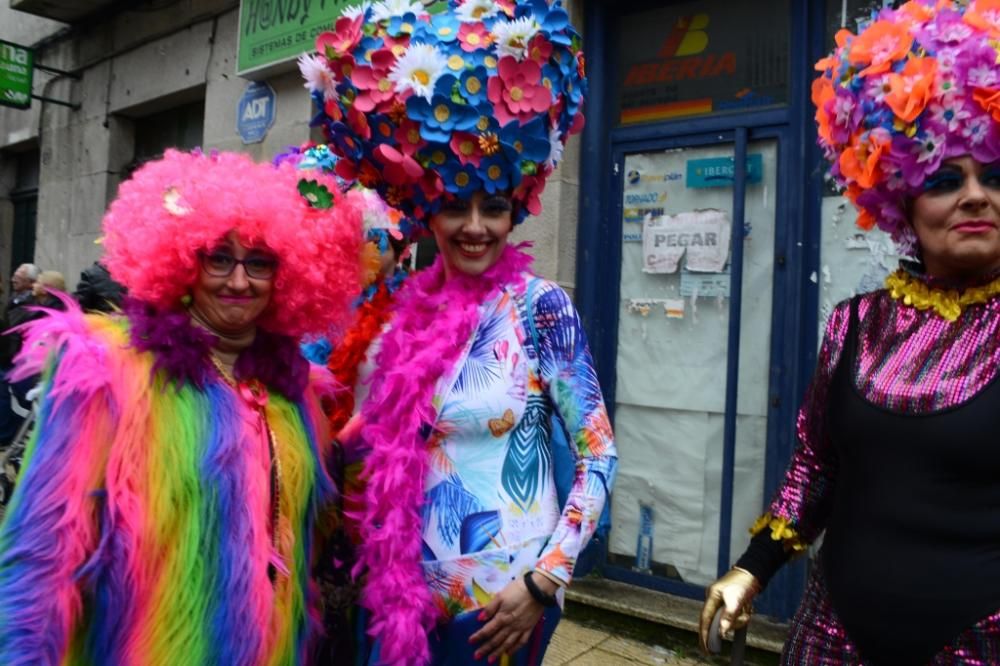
<point x="347" y="33"/>
<point x="517" y="93"/>
<point x="372" y="81"/>
<point x="540" y="49"/>
<point x="466" y="148"/>
<point x="473" y="36"/>
<point x="185" y="202"/>
<point x="398" y="168"/>
<point x="408" y="137"/>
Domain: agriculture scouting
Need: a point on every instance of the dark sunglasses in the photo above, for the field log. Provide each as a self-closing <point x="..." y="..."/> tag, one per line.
<point x="222" y="264"/>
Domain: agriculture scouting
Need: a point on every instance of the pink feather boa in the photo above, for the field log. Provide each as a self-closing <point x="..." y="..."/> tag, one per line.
<point x="434" y="319"/>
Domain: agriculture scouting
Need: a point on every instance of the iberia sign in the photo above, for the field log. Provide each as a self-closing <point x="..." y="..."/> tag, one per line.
<point x="682" y="57"/>
<point x="16" y="73"/>
<point x="273" y="32"/>
<point x="678" y="61"/>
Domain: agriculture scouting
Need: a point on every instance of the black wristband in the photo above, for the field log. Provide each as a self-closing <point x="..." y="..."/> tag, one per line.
<point x="547" y="600"/>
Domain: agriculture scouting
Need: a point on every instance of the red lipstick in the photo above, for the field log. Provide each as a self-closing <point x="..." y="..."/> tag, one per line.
<point x="975" y="226"/>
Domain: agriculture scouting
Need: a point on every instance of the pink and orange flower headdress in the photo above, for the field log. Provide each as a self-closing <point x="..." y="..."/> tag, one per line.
<point x="918" y="85"/>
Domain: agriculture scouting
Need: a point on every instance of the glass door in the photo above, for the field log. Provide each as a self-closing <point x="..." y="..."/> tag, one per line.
<point x="692" y="365"/>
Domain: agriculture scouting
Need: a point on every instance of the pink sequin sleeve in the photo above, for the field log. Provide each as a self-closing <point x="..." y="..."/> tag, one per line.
<point x="800" y="506"/>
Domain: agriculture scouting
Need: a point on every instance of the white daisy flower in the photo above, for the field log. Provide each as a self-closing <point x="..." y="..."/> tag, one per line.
<point x="356" y="11"/>
<point x="472" y="11"/>
<point x="418" y="70"/>
<point x="318" y="77"/>
<point x="386" y="9"/>
<point x="555" y="148"/>
<point x="512" y="37"/>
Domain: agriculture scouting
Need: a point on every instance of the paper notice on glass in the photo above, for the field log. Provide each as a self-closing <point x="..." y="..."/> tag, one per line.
<point x="701" y="235"/>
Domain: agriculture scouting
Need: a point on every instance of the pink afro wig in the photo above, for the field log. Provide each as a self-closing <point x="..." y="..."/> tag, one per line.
<point x="186" y="202"/>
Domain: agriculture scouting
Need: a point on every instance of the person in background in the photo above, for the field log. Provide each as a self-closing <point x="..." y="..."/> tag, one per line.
<point x="897" y="459"/>
<point x="349" y="356"/>
<point x="97" y="291"/>
<point x="13" y="394"/>
<point x="465" y="545"/>
<point x="47" y="283"/>
<point x="17" y="410"/>
<point x="22" y="283"/>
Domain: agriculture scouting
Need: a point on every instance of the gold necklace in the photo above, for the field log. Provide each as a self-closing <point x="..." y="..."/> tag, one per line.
<point x="254" y="394"/>
<point x="947" y="303"/>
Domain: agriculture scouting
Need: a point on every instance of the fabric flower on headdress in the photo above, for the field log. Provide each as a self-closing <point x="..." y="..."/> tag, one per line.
<point x="377" y="215"/>
<point x="382" y="225"/>
<point x="478" y="96"/>
<point x="917" y="86"/>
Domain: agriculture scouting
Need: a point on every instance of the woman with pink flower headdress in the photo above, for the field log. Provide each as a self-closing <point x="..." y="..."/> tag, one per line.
<point x="457" y="118"/>
<point x="897" y="458"/>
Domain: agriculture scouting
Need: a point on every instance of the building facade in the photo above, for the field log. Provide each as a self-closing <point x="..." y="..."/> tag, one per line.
<point x="690" y="220"/>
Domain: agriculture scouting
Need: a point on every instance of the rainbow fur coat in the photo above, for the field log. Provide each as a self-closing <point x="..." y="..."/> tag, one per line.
<point x="139" y="532"/>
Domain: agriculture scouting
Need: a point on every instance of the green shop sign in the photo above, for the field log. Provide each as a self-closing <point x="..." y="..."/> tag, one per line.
<point x="16" y="72"/>
<point x="275" y="31"/>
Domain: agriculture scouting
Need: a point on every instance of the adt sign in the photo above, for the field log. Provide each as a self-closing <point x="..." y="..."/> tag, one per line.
<point x="255" y="112"/>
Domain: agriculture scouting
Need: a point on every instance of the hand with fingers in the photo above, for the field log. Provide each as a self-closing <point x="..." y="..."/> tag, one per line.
<point x="734" y="594"/>
<point x="510" y="618"/>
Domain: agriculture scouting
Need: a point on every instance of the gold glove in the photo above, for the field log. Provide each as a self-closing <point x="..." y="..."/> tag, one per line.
<point x="734" y="593"/>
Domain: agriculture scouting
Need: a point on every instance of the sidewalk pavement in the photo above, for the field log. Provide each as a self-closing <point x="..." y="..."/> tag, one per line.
<point x="575" y="644"/>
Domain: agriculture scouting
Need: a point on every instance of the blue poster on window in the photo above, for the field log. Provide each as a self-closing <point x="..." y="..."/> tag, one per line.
<point x="720" y="171"/>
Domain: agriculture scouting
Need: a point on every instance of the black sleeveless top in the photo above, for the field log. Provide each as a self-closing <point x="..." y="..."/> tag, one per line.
<point x="911" y="554"/>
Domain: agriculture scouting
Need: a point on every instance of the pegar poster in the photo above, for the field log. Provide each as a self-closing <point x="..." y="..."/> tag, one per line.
<point x="701" y="237"/>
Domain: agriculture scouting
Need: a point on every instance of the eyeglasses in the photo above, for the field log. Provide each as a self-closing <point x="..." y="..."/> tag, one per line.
<point x="221" y="264"/>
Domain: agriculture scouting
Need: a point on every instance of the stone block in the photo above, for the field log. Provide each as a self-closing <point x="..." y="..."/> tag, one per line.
<point x="569" y="168"/>
<point x="92" y="91"/>
<point x="223" y="62"/>
<point x="571" y="640"/>
<point x="75" y="150"/>
<point x="131" y="28"/>
<point x="172" y="64"/>
<point x="543" y="231"/>
<point x="90" y="196"/>
<point x="569" y="224"/>
<point x="67" y="211"/>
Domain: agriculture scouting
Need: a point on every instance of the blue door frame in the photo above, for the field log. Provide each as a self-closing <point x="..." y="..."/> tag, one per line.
<point x="796" y="252"/>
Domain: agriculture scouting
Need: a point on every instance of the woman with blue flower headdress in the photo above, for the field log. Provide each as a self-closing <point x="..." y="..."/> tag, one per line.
<point x="457" y="118"/>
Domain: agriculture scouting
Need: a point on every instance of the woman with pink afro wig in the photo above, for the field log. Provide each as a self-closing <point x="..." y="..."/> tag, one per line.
<point x="185" y="202"/>
<point x="168" y="498"/>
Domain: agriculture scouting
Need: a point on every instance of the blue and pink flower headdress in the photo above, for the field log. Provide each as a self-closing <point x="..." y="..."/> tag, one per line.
<point x="481" y="95"/>
<point x="919" y="85"/>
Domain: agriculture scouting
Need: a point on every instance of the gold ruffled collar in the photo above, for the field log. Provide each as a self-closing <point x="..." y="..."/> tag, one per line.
<point x="948" y="303"/>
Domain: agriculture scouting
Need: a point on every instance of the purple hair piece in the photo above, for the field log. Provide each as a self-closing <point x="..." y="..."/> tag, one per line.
<point x="181" y="349"/>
